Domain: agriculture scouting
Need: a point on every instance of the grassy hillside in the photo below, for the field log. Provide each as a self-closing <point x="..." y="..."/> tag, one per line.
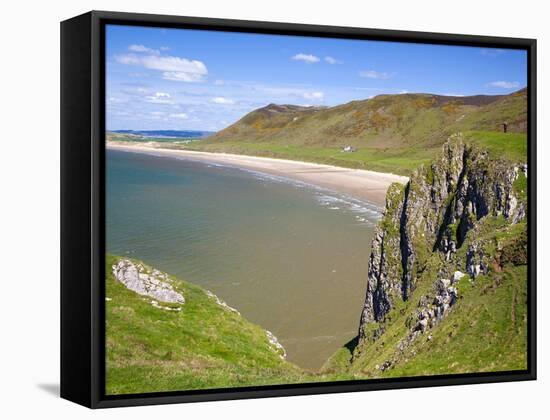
<point x="385" y="121"/>
<point x="198" y="345"/>
<point x="485" y="332"/>
<point x="393" y="133"/>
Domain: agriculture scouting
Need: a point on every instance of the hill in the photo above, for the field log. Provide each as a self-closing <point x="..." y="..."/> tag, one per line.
<point x="391" y="133"/>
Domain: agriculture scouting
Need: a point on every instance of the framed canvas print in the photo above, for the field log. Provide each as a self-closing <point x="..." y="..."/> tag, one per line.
<point x="256" y="209"/>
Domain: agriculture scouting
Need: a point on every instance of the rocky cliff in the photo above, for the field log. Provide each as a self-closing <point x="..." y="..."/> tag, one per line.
<point x="460" y="217"/>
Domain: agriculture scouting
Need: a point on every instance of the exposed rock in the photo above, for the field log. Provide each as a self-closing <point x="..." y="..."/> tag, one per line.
<point x="384" y="272"/>
<point x="221" y="302"/>
<point x="435" y="212"/>
<point x="386" y="365"/>
<point x="457" y="276"/>
<point x="141" y="280"/>
<point x="275" y="345"/>
<point x="523" y="169"/>
<point x="476" y="261"/>
<point x="430" y="311"/>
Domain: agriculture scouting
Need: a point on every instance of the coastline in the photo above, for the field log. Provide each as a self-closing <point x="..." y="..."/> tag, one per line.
<point x="359" y="183"/>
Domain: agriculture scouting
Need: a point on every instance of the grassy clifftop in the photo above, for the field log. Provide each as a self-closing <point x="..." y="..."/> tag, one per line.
<point x="199" y="344"/>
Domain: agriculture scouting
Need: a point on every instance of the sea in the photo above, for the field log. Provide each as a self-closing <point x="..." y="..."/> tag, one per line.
<point x="167" y="134"/>
<point x="289" y="256"/>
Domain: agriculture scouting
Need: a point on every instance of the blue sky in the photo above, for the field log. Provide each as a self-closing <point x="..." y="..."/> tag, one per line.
<point x="205" y="80"/>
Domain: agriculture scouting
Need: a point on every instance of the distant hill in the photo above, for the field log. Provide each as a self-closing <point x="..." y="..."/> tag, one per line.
<point x="388" y="133"/>
<point x="385" y="121"/>
<point x="166" y="133"/>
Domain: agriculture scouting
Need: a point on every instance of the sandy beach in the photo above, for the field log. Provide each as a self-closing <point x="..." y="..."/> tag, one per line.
<point x="359" y="183"/>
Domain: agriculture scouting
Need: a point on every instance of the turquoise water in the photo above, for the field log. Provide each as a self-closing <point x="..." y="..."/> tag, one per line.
<point x="290" y="257"/>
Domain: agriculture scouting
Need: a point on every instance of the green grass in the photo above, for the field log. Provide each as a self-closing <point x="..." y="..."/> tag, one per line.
<point x="509" y="146"/>
<point x="402" y="161"/>
<point x="485" y="332"/>
<point x="398" y="161"/>
<point x="521" y="186"/>
<point x="204" y="346"/>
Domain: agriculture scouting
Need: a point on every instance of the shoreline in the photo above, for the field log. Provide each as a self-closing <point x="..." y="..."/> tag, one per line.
<point x="359" y="183"/>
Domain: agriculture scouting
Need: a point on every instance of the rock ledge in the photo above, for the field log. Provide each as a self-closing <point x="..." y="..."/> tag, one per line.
<point x="143" y="281"/>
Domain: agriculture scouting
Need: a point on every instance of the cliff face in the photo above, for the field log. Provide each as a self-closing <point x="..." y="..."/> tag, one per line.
<point x="439" y="228"/>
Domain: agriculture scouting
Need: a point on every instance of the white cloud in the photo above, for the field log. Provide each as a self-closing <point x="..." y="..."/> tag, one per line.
<point x="308" y="94"/>
<point x="219" y="82"/>
<point x="313" y="96"/>
<point x="372" y="74"/>
<point x="332" y="60"/>
<point x="222" y="101"/>
<point x="140" y="75"/>
<point x="143" y="49"/>
<point x="458" y="95"/>
<point x="180" y="116"/>
<point x="502" y="84"/>
<point x="165" y="48"/>
<point x="174" y="68"/>
<point x="177" y="64"/>
<point x="159" y="98"/>
<point x="306" y="58"/>
<point x="128" y="59"/>
<point x="181" y="76"/>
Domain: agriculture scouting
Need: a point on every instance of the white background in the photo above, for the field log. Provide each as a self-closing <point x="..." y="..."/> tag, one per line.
<point x="29" y="207"/>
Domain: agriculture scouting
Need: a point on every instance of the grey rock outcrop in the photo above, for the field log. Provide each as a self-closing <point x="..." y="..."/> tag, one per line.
<point x="151" y="283"/>
<point x="221" y="302"/>
<point x="275" y="344"/>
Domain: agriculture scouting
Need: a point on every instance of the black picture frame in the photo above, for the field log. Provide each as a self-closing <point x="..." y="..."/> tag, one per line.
<point x="83" y="210"/>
